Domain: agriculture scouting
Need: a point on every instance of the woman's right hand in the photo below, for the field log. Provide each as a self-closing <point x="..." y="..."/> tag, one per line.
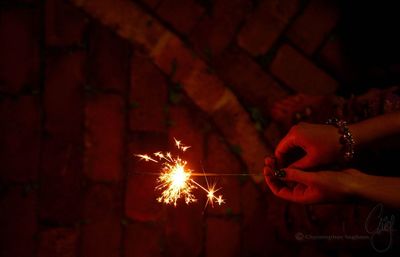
<point x="319" y="142"/>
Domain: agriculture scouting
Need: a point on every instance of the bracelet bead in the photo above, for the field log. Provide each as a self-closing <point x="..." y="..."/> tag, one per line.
<point x="346" y="138"/>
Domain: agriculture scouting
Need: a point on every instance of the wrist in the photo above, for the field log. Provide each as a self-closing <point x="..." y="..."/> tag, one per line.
<point x="346" y="138"/>
<point x="359" y="138"/>
<point x="358" y="182"/>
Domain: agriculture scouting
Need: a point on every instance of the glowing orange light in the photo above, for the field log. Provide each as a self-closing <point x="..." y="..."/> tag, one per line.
<point x="175" y="180"/>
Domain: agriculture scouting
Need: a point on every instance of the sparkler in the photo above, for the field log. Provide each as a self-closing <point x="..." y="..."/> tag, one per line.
<point x="175" y="179"/>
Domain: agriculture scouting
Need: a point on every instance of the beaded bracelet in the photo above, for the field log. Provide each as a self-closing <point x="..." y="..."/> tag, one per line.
<point x="346" y="138"/>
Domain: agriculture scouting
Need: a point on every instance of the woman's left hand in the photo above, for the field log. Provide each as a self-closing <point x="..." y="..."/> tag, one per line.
<point x="311" y="187"/>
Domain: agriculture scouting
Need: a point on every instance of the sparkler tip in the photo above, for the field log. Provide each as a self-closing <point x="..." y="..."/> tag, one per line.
<point x="175" y="180"/>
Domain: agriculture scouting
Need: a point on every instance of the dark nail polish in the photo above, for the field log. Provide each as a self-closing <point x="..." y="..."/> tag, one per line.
<point x="279" y="173"/>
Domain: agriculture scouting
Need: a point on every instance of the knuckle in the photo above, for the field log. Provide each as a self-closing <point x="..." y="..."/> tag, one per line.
<point x="294" y="129"/>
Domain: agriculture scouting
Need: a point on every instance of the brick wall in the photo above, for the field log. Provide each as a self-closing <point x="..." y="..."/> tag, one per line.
<point x="84" y="85"/>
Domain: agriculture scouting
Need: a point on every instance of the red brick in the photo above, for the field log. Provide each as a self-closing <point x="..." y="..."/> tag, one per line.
<point x="295" y="220"/>
<point x="120" y="15"/>
<point x="184" y="231"/>
<point x="151" y="3"/>
<point x="215" y="31"/>
<point x="140" y="199"/>
<point x="191" y="73"/>
<point x="273" y="134"/>
<point x="143" y="239"/>
<point x="300" y="74"/>
<point x="263" y="218"/>
<point x="187" y="127"/>
<point x="64" y="94"/>
<point x="175" y="59"/>
<point x="266" y="222"/>
<point x="251" y="202"/>
<point x="277" y="215"/>
<point x="101" y="234"/>
<point x="65" y="24"/>
<point x="250" y="83"/>
<point x="220" y="159"/>
<point x="61" y="181"/>
<point x="311" y="28"/>
<point x="108" y="70"/>
<point x="333" y="58"/>
<point x="63" y="146"/>
<point x="223" y="238"/>
<point x="19" y="50"/>
<point x="18" y="223"/>
<point x="240" y="132"/>
<point x="181" y="14"/>
<point x="62" y="242"/>
<point x="104" y="139"/>
<point x="147" y="142"/>
<point x="265" y="25"/>
<point x="20" y="136"/>
<point x="148" y="96"/>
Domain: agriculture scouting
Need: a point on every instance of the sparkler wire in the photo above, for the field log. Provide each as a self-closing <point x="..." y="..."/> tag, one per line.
<point x="203" y="174"/>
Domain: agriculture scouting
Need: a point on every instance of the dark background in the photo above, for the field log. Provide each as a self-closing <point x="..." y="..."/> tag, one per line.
<point x="86" y="84"/>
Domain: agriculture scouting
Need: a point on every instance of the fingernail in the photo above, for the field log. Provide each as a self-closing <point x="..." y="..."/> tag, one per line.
<point x="279" y="173"/>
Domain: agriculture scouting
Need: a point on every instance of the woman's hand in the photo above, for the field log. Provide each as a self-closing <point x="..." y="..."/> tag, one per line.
<point x="312" y="187"/>
<point x="319" y="142"/>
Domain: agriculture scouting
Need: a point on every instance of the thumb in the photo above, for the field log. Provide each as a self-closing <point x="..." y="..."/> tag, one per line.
<point x="304" y="163"/>
<point x="284" y="146"/>
<point x="297" y="175"/>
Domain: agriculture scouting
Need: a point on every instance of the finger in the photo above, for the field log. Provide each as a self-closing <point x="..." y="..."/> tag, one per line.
<point x="270" y="161"/>
<point x="284" y="146"/>
<point x="304" y="163"/>
<point x="298" y="176"/>
<point x="268" y="172"/>
<point x="294" y="186"/>
<point x="268" y="176"/>
<point x="273" y="183"/>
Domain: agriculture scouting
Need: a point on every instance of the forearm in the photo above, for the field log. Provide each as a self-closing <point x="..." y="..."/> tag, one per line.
<point x="378" y="189"/>
<point x="368" y="131"/>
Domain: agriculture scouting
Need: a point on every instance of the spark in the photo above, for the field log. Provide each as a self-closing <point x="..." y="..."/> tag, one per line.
<point x="220" y="200"/>
<point x="211" y="193"/>
<point x="175" y="180"/>
<point x="180" y="146"/>
<point x="175" y="183"/>
<point x="211" y="196"/>
<point x="145" y="157"/>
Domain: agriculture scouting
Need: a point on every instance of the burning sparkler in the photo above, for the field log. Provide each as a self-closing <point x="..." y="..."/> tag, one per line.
<point x="175" y="179"/>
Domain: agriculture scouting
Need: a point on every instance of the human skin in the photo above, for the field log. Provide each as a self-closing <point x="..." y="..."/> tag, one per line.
<point x="321" y="146"/>
<point x="328" y="186"/>
<point x="321" y="142"/>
